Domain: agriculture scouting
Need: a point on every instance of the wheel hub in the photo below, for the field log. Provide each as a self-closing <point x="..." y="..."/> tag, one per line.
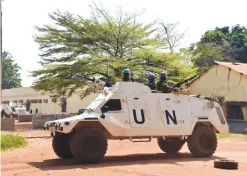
<point x="90" y="144"/>
<point x="205" y="142"/>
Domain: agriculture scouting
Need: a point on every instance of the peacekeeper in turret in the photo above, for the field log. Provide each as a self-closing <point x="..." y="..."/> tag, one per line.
<point x="162" y="84"/>
<point x="151" y="81"/>
<point x="126" y="77"/>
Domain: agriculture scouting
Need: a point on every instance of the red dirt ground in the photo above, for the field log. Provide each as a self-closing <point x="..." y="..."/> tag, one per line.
<point x="123" y="158"/>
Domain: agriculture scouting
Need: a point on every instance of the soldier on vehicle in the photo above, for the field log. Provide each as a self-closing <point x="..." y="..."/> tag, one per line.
<point x="162" y="84"/>
<point x="127" y="76"/>
<point x="151" y="81"/>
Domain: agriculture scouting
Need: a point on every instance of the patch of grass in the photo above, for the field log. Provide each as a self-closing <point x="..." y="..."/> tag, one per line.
<point x="10" y="141"/>
<point x="231" y="136"/>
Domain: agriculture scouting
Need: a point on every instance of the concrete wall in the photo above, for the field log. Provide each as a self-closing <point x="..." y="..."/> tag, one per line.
<point x="237" y="126"/>
<point x="25" y="118"/>
<point x="221" y="81"/>
<point x="7" y="124"/>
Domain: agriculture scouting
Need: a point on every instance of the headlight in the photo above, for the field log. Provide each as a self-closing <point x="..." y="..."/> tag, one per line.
<point x="66" y="123"/>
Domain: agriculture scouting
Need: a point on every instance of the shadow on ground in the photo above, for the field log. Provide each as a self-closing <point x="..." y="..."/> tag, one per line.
<point x="123" y="160"/>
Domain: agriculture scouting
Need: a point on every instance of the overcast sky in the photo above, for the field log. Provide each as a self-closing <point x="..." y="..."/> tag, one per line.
<point x="20" y="17"/>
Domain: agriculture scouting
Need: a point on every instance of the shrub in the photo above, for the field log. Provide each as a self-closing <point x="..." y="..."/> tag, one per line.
<point x="10" y="141"/>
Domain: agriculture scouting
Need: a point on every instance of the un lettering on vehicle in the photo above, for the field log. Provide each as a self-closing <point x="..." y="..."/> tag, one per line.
<point x="171" y="119"/>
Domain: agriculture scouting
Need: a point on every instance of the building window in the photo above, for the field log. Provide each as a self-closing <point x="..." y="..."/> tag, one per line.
<point x="33" y="101"/>
<point x="20" y="101"/>
<point x="54" y="100"/>
<point x="38" y="101"/>
<point x="15" y="101"/>
<point x="5" y="102"/>
<point x="234" y="112"/>
<point x="45" y="100"/>
<point x="113" y="105"/>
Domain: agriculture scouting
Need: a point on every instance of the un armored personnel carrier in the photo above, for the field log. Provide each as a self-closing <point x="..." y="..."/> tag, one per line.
<point x="130" y="110"/>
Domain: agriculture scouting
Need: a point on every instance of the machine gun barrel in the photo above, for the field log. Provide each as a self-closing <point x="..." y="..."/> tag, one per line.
<point x="184" y="81"/>
<point x="102" y="81"/>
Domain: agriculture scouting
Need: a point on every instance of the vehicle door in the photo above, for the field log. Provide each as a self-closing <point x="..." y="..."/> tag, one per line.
<point x="175" y="110"/>
<point x="139" y="110"/>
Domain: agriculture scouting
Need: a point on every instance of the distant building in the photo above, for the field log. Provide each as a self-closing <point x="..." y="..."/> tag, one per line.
<point x="43" y="103"/>
<point x="228" y="81"/>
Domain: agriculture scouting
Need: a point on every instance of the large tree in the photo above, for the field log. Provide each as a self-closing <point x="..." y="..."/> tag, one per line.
<point x="233" y="41"/>
<point x="75" y="49"/>
<point x="10" y="72"/>
<point x="169" y="35"/>
<point x="221" y="44"/>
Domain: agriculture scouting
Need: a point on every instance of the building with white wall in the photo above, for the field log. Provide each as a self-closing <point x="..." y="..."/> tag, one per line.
<point x="43" y="102"/>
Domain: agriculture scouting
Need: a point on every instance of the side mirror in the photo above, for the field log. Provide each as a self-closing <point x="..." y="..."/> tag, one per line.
<point x="104" y="109"/>
<point x="81" y="111"/>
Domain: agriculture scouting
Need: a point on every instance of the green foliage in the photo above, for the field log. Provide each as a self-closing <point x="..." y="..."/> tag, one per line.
<point x="221" y="44"/>
<point x="10" y="141"/>
<point x="11" y="76"/>
<point x="75" y="50"/>
<point x="206" y="54"/>
<point x="231" y="136"/>
<point x="233" y="42"/>
<point x="175" y="64"/>
<point x="213" y="37"/>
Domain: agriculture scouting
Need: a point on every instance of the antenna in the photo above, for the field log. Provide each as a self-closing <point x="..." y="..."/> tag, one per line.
<point x="132" y="45"/>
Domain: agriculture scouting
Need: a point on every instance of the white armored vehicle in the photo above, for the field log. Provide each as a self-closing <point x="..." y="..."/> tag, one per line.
<point x="130" y="110"/>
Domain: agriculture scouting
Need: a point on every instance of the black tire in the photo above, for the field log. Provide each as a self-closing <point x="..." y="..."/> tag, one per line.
<point x="202" y="142"/>
<point x="170" y="146"/>
<point x="61" y="145"/>
<point x="89" y="145"/>
<point x="225" y="164"/>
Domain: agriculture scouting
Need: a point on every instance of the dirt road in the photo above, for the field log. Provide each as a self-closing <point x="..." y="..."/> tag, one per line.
<point x="123" y="158"/>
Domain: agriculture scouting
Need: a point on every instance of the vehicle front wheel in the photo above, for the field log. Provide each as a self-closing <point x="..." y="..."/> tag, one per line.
<point x="61" y="145"/>
<point x="89" y="145"/>
<point x="170" y="146"/>
<point x="202" y="142"/>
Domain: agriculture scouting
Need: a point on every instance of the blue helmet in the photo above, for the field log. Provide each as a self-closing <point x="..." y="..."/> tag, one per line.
<point x="126" y="71"/>
<point x="163" y="75"/>
<point x="151" y="76"/>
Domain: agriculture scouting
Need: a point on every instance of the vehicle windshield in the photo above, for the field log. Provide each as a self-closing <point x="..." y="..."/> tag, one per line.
<point x="96" y="102"/>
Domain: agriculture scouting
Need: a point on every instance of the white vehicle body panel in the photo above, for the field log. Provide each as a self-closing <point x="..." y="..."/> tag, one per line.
<point x="146" y="114"/>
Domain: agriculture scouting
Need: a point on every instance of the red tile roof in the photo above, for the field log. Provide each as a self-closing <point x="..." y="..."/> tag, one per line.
<point x="238" y="67"/>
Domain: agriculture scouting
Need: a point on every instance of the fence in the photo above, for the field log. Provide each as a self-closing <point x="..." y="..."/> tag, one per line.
<point x="7" y="124"/>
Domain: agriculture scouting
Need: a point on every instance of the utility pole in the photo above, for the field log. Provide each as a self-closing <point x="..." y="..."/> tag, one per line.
<point x="1" y="46"/>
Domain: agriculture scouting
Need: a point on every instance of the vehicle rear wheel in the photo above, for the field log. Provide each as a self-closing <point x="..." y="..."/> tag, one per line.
<point x="170" y="146"/>
<point x="89" y="145"/>
<point x="61" y="145"/>
<point x="202" y="142"/>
